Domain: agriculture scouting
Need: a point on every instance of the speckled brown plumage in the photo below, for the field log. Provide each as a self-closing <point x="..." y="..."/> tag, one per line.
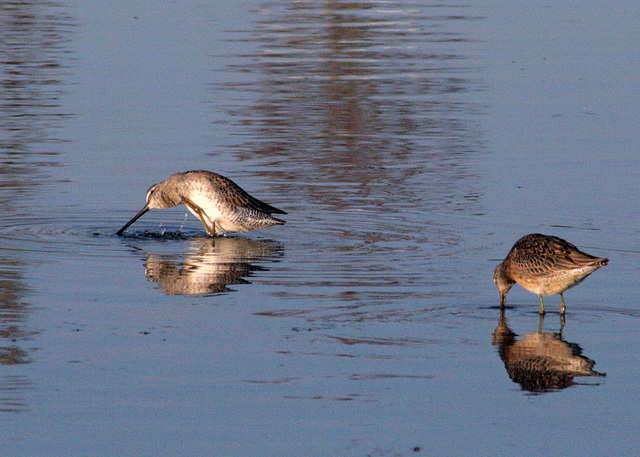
<point x="544" y="265"/>
<point x="218" y="202"/>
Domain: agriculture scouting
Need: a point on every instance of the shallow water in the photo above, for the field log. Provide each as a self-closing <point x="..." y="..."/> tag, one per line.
<point x="411" y="145"/>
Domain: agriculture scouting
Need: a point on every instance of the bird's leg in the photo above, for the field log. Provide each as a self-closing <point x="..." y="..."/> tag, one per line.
<point x="563" y="307"/>
<point x="541" y="304"/>
<point x="206" y="227"/>
<point x="210" y="231"/>
<point x="196" y="209"/>
<point x="541" y="323"/>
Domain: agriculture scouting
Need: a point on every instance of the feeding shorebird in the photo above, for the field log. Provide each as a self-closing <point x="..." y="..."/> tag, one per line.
<point x="218" y="202"/>
<point x="544" y="265"/>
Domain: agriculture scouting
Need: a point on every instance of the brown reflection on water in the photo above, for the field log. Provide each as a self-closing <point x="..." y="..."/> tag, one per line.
<point x="210" y="265"/>
<point x="360" y="92"/>
<point x="10" y="393"/>
<point x="33" y="35"/>
<point x="541" y="361"/>
<point x="359" y="114"/>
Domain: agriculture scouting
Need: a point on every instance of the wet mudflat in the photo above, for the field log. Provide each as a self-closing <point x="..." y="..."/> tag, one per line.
<point x="411" y="144"/>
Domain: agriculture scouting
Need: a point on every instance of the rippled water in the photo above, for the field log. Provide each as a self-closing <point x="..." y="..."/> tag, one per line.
<point x="410" y="143"/>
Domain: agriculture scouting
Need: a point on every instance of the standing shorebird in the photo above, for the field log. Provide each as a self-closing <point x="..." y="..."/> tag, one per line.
<point x="544" y="265"/>
<point x="218" y="202"/>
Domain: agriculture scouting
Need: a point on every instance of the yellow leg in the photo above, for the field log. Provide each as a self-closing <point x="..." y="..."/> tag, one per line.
<point x="563" y="307"/>
<point x="210" y="231"/>
<point x="541" y="305"/>
<point x="196" y="209"/>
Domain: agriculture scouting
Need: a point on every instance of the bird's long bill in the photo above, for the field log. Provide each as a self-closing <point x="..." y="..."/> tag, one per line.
<point x="135" y="218"/>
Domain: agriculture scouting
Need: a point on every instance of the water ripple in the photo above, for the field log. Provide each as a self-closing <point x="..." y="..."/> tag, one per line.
<point x="80" y="233"/>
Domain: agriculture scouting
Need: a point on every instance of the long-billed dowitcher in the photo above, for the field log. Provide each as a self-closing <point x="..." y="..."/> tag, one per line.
<point x="544" y="265"/>
<point x="218" y="202"/>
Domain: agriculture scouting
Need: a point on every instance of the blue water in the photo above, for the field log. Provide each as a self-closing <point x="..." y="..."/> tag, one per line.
<point x="411" y="144"/>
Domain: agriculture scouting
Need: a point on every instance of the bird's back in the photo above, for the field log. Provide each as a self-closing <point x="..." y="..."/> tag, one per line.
<point x="548" y="264"/>
<point x="225" y="204"/>
<point x="225" y="191"/>
<point x="543" y="254"/>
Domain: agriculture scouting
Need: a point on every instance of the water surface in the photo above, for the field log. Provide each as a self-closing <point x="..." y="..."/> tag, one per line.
<point x="411" y="144"/>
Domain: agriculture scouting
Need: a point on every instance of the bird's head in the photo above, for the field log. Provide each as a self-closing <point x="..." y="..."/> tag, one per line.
<point x="162" y="196"/>
<point x="503" y="281"/>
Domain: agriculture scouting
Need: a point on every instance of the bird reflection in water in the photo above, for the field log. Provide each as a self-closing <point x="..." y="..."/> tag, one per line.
<point x="542" y="361"/>
<point x="210" y="265"/>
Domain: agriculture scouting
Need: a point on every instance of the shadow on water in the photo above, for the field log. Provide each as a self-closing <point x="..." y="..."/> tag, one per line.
<point x="33" y="36"/>
<point x="541" y="361"/>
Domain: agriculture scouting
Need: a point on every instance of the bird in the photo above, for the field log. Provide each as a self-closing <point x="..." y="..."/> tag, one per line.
<point x="218" y="202"/>
<point x="544" y="265"/>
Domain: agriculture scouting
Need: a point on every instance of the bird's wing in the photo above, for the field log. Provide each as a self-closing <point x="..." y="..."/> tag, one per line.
<point x="237" y="196"/>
